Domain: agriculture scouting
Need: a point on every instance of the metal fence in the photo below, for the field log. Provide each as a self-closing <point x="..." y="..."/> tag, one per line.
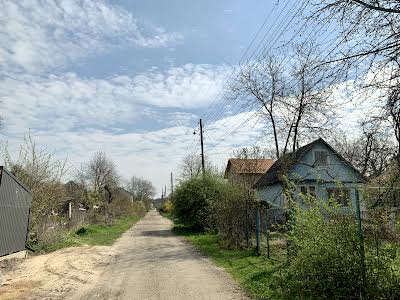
<point x="15" y="204"/>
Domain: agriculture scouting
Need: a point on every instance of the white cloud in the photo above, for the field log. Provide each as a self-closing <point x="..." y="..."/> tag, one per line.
<point x="152" y="154"/>
<point x="37" y="35"/>
<point x="67" y="102"/>
<point x="188" y="86"/>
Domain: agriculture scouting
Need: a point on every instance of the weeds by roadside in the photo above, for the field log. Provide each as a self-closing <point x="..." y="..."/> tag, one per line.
<point x="260" y="277"/>
<point x="93" y="234"/>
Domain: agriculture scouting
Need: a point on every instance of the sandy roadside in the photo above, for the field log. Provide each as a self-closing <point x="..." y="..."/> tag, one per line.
<point x="147" y="262"/>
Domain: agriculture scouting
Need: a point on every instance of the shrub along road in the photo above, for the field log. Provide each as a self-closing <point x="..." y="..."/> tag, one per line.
<point x="147" y="262"/>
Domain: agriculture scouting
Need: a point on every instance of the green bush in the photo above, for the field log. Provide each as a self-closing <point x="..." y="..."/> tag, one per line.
<point x="229" y="213"/>
<point x="124" y="207"/>
<point x="192" y="201"/>
<point x="324" y="259"/>
<point x="166" y="207"/>
<point x="211" y="203"/>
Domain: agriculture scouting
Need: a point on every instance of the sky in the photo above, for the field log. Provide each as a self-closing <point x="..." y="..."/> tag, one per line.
<point x="130" y="78"/>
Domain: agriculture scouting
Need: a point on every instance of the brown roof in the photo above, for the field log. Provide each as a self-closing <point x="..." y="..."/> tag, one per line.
<point x="248" y="166"/>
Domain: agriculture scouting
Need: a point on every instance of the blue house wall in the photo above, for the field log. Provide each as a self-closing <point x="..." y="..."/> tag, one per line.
<point x="336" y="173"/>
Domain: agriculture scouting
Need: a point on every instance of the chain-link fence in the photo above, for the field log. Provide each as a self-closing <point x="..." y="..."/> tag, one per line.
<point x="317" y="240"/>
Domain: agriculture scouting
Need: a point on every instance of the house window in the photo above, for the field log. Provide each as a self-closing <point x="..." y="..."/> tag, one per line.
<point x="308" y="189"/>
<point x="341" y="196"/>
<point x="311" y="190"/>
<point x="321" y="158"/>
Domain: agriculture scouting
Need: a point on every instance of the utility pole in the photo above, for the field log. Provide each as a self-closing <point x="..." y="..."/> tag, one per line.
<point x="172" y="186"/>
<point x="202" y="147"/>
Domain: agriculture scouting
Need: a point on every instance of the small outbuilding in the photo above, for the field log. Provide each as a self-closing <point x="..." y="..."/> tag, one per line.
<point x="15" y="205"/>
<point x="247" y="171"/>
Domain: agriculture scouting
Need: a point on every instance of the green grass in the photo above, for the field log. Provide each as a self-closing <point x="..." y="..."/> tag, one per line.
<point x="103" y="235"/>
<point x="259" y="276"/>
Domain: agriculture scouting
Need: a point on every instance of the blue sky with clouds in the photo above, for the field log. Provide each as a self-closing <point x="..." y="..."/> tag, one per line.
<point x="130" y="78"/>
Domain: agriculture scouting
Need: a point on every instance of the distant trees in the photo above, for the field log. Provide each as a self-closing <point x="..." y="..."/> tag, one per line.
<point x="98" y="173"/>
<point x="141" y="189"/>
<point x="190" y="167"/>
<point x="371" y="152"/>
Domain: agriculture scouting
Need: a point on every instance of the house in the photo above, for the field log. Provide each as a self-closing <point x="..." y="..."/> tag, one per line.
<point x="120" y="194"/>
<point x="15" y="205"/>
<point x="247" y="171"/>
<point x="316" y="169"/>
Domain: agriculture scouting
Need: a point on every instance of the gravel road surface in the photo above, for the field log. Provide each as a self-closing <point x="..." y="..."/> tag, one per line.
<point x="147" y="262"/>
<point x="153" y="263"/>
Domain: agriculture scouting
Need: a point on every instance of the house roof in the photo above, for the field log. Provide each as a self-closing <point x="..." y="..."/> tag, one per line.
<point x="124" y="191"/>
<point x="287" y="161"/>
<point x="248" y="166"/>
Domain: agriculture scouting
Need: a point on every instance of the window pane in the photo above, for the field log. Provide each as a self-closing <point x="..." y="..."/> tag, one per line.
<point x="303" y="190"/>
<point x="341" y="196"/>
<point x="311" y="190"/>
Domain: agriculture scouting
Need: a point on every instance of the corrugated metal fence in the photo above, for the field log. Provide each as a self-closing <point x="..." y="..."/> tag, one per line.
<point x="15" y="204"/>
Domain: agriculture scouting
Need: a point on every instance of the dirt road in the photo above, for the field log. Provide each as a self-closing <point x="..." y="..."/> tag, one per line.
<point x="147" y="262"/>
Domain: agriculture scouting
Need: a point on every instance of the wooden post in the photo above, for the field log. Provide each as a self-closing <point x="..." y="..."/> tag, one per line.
<point x="247" y="220"/>
<point x="258" y="235"/>
<point x="69" y="210"/>
<point x="362" y="249"/>
<point x="202" y="148"/>
<point x="267" y="232"/>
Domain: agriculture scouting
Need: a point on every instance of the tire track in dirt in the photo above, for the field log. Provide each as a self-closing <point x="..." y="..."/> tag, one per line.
<point x="147" y="262"/>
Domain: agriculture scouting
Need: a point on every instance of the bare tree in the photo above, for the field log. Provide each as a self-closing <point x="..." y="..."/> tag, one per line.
<point x="42" y="173"/>
<point x="369" y="31"/>
<point x="190" y="167"/>
<point x="368" y="47"/>
<point x="262" y="84"/>
<point x="392" y="108"/>
<point x="308" y="108"/>
<point x="294" y="96"/>
<point x="371" y="153"/>
<point x="99" y="172"/>
<point x="141" y="189"/>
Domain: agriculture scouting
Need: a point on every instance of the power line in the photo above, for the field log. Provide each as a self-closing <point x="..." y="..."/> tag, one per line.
<point x="244" y="54"/>
<point x="275" y="36"/>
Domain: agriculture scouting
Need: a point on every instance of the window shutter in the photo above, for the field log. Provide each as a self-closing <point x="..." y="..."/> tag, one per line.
<point x="321" y="158"/>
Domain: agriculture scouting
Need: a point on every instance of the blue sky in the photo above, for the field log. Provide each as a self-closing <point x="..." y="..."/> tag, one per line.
<point x="130" y="78"/>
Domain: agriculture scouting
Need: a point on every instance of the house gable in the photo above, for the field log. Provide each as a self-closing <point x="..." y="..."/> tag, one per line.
<point x="302" y="166"/>
<point x="323" y="164"/>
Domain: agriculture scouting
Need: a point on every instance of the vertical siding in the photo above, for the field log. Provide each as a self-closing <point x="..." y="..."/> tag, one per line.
<point x="335" y="170"/>
<point x="272" y="194"/>
<point x="15" y="203"/>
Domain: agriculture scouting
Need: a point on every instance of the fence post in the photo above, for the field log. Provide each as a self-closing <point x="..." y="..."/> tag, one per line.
<point x="258" y="230"/>
<point x="362" y="250"/>
<point x="267" y="232"/>
<point x="69" y="210"/>
<point x="247" y="233"/>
